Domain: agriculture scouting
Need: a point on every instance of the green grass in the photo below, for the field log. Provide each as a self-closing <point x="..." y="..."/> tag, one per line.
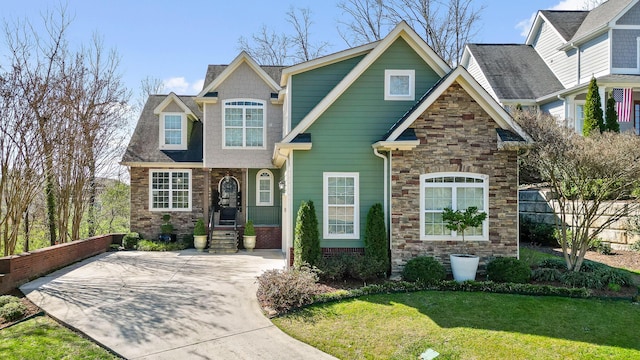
<point x="533" y="257"/>
<point x="462" y="325"/>
<point x="43" y="338"/>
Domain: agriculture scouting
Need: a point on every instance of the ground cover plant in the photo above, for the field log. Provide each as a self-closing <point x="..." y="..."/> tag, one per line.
<point x="462" y="325"/>
<point x="43" y="338"/>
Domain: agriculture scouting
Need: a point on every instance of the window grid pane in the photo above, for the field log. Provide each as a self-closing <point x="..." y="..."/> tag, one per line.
<point x="172" y="129"/>
<point x="244" y="124"/>
<point x="455" y="192"/>
<point x="170" y="190"/>
<point x="341" y="205"/>
<point x="399" y="85"/>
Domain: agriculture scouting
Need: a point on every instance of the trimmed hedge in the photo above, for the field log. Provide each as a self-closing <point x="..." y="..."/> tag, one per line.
<point x="424" y="270"/>
<point x="508" y="269"/>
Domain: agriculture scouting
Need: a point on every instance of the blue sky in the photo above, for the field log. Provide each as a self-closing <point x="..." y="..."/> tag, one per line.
<point x="176" y="40"/>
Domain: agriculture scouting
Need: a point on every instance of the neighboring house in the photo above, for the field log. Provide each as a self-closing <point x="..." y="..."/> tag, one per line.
<point x="563" y="51"/>
<point x="387" y="122"/>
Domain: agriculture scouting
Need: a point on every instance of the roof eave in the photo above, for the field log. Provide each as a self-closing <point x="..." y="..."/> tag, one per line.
<point x="579" y="41"/>
<point x="281" y="151"/>
<point x="396" y="145"/>
<point x="167" y="165"/>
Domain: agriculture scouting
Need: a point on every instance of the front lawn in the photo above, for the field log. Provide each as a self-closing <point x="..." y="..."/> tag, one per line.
<point x="43" y="338"/>
<point x="461" y="325"/>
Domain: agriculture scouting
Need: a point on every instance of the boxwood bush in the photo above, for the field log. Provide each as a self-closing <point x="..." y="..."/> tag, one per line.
<point x="130" y="240"/>
<point x="13" y="311"/>
<point x="508" y="270"/>
<point x="423" y="269"/>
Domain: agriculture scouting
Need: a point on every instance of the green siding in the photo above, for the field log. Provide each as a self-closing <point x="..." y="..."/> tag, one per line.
<point x="343" y="135"/>
<point x="310" y="87"/>
<point x="263" y="215"/>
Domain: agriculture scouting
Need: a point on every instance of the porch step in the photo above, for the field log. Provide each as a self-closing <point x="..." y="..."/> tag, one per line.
<point x="223" y="241"/>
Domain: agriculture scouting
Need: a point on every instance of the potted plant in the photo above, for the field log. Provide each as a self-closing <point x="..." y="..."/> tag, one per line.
<point x="249" y="238"/>
<point x="199" y="236"/>
<point x="463" y="266"/>
<point x="166" y="229"/>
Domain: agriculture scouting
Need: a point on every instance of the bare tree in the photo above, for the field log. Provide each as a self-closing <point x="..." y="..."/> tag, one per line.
<point x="269" y="48"/>
<point x="366" y="21"/>
<point x="446" y="26"/>
<point x="305" y="49"/>
<point x="587" y="176"/>
<point x="591" y="4"/>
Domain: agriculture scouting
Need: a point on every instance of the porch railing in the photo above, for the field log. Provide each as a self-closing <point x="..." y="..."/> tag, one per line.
<point x="264" y="215"/>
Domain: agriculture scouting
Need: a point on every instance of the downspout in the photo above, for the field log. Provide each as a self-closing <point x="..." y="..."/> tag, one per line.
<point x="384" y="158"/>
<point x="386" y="196"/>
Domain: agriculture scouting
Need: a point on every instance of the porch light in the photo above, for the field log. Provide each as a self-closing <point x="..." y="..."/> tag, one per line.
<point x="282" y="185"/>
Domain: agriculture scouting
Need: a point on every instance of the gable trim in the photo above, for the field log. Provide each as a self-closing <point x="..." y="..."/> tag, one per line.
<point x="402" y="30"/>
<point x="173" y="97"/>
<point x="243" y="57"/>
<point x="477" y="92"/>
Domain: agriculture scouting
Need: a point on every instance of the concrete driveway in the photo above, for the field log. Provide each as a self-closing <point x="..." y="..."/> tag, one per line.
<point x="170" y="305"/>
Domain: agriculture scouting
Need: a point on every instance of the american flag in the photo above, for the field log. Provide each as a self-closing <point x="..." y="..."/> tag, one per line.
<point x="624" y="99"/>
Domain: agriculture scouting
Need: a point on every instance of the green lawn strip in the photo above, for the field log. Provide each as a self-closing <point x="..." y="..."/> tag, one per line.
<point x="462" y="325"/>
<point x="43" y="338"/>
<point x="533" y="257"/>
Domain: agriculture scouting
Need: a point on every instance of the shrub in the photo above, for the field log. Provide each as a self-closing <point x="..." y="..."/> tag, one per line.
<point x="510" y="270"/>
<point x="283" y="290"/>
<point x="614" y="287"/>
<point x="187" y="240"/>
<point x="335" y="267"/>
<point x="635" y="246"/>
<point x="6" y="299"/>
<point x="375" y="237"/>
<point x="249" y="230"/>
<point x="130" y="240"/>
<point x="13" y="311"/>
<point x="614" y="276"/>
<point x="591" y="266"/>
<point x="537" y="233"/>
<point x="582" y="279"/>
<point x="601" y="247"/>
<point x="306" y="243"/>
<point x="423" y="269"/>
<point x="366" y="268"/>
<point x="553" y="263"/>
<point x="199" y="229"/>
<point x="148" y="245"/>
<point x="546" y="275"/>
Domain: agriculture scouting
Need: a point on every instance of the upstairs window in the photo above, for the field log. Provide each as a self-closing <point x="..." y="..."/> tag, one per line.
<point x="173" y="131"/>
<point x="399" y="85"/>
<point x="170" y="190"/>
<point x="456" y="191"/>
<point x="244" y="124"/>
<point x="264" y="188"/>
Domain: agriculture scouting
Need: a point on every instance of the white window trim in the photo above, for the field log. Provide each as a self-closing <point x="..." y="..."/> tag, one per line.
<point x="577" y="103"/>
<point x="183" y="131"/>
<point x="170" y="171"/>
<point x="356" y="205"/>
<point x="484" y="185"/>
<point x="258" y="178"/>
<point x="387" y="85"/>
<point x="244" y="127"/>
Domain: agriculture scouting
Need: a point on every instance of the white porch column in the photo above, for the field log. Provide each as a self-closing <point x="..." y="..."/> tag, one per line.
<point x="603" y="99"/>
<point x="570" y="111"/>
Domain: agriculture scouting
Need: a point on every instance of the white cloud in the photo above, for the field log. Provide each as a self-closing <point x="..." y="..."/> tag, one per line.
<point x="178" y="85"/>
<point x="197" y="85"/>
<point x="525" y="25"/>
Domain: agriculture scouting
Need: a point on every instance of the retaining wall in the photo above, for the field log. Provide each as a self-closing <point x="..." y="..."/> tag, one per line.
<point x="537" y="205"/>
<point x="16" y="270"/>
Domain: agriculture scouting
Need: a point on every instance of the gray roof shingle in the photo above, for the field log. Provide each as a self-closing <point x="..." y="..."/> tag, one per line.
<point x="515" y="71"/>
<point x="566" y="22"/>
<point x="599" y="17"/>
<point x="144" y="143"/>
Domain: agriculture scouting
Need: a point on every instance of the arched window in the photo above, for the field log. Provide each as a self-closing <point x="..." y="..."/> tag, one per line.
<point x="456" y="191"/>
<point x="264" y="188"/>
<point x="243" y="124"/>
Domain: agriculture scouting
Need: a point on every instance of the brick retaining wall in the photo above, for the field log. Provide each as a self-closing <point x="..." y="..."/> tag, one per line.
<point x="267" y="237"/>
<point x="18" y="269"/>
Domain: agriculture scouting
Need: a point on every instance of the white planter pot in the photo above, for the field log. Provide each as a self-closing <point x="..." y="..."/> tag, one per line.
<point x="200" y="242"/>
<point x="464" y="267"/>
<point x="249" y="242"/>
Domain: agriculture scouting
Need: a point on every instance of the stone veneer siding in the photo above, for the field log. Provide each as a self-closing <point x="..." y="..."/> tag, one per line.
<point x="147" y="223"/>
<point x="456" y="135"/>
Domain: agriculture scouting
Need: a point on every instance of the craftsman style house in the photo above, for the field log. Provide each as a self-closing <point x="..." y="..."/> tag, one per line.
<point x="563" y="51"/>
<point x="387" y="122"/>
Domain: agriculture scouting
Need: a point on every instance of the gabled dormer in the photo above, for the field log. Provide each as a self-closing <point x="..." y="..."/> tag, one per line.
<point x="175" y="121"/>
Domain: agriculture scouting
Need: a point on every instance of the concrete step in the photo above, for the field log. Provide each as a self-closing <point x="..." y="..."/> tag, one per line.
<point x="223" y="241"/>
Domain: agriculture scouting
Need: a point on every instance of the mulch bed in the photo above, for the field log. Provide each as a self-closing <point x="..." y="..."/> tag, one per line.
<point x="32" y="309"/>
